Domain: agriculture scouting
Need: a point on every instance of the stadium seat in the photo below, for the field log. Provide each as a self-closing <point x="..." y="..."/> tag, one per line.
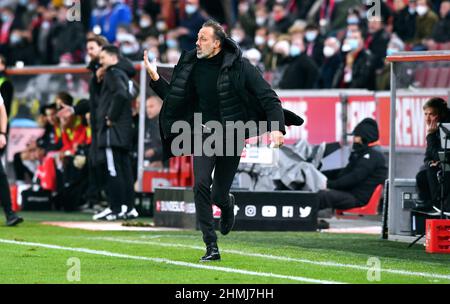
<point x="370" y="209"/>
<point x="432" y="77"/>
<point x="421" y="76"/>
<point x="443" y="79"/>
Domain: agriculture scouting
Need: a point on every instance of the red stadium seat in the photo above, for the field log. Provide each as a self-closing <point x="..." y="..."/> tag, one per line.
<point x="370" y="209"/>
<point x="443" y="78"/>
<point x="421" y="76"/>
<point x="432" y="76"/>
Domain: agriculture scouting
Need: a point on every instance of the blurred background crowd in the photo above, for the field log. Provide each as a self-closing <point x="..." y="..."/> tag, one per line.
<point x="297" y="44"/>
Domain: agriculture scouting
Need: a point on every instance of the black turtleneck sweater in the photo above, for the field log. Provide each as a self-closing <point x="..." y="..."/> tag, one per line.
<point x="205" y="76"/>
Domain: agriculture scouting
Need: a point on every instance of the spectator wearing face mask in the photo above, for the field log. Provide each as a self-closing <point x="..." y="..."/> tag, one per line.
<point x="190" y="24"/>
<point x="353" y="23"/>
<point x="404" y="19"/>
<point x="332" y="62"/>
<point x="261" y="44"/>
<point x="239" y="36"/>
<point x="356" y="71"/>
<point x="301" y="72"/>
<point x="254" y="56"/>
<point x="314" y="43"/>
<point x="261" y="16"/>
<point x="147" y="28"/>
<point x="425" y="21"/>
<point x="129" y="46"/>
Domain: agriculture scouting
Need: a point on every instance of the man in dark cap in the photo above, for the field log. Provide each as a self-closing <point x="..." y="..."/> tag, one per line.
<point x="366" y="169"/>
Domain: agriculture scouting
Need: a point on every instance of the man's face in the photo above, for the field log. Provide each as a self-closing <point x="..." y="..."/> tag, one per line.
<point x="107" y="59"/>
<point x="399" y="5"/>
<point x="374" y="25"/>
<point x="2" y="66"/>
<point x="50" y="115"/>
<point x="430" y="115"/>
<point x="445" y="8"/>
<point x="206" y="43"/>
<point x="357" y="139"/>
<point x="93" y="50"/>
<point x="152" y="107"/>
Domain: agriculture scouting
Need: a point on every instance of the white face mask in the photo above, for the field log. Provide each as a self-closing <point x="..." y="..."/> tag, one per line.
<point x="144" y="23"/>
<point x="422" y="10"/>
<point x="271" y="43"/>
<point x="190" y="9"/>
<point x="259" y="40"/>
<point x="328" y="51"/>
<point x="161" y="26"/>
<point x="260" y="21"/>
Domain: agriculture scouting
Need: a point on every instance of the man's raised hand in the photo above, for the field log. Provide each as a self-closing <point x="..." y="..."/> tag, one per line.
<point x="151" y="68"/>
<point x="65" y="112"/>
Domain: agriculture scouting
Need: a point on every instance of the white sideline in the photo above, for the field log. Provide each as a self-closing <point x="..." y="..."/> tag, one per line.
<point x="284" y="258"/>
<point x="171" y="262"/>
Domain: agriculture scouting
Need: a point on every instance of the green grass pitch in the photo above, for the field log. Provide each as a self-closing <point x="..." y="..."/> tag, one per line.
<point x="37" y="253"/>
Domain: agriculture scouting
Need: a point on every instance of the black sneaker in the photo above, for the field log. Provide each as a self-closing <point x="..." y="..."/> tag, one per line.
<point x="12" y="219"/>
<point x="322" y="224"/>
<point x="212" y="253"/>
<point x="227" y="217"/>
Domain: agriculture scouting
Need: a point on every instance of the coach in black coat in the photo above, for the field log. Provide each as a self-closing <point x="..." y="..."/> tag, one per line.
<point x="243" y="94"/>
<point x="217" y="82"/>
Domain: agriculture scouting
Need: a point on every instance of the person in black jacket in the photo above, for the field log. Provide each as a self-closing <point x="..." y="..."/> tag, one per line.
<point x="217" y="82"/>
<point x="301" y="71"/>
<point x="12" y="218"/>
<point x="435" y="112"/>
<point x="115" y="133"/>
<point x="357" y="70"/>
<point x="6" y="86"/>
<point x="366" y="169"/>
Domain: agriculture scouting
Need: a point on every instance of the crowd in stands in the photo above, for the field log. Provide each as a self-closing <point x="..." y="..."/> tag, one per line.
<point x="298" y="44"/>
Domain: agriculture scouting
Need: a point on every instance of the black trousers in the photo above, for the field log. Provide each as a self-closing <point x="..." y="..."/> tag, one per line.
<point x="337" y="200"/>
<point x="225" y="168"/>
<point x="5" y="195"/>
<point x="428" y="185"/>
<point x="119" y="185"/>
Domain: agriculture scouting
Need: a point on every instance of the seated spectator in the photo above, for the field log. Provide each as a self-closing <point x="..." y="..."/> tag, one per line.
<point x="404" y="19"/>
<point x="356" y="71"/>
<point x="152" y="139"/>
<point x="108" y="16"/>
<point x="25" y="163"/>
<point x="190" y="24"/>
<point x="425" y="21"/>
<point x="246" y="18"/>
<point x="377" y="41"/>
<point x="332" y="15"/>
<point x="147" y="28"/>
<point x="66" y="39"/>
<point x="239" y="36"/>
<point x="435" y="112"/>
<point x="331" y="63"/>
<point x="314" y="44"/>
<point x="441" y="31"/>
<point x="301" y="71"/>
<point x="254" y="56"/>
<point x="129" y="46"/>
<point x="366" y="169"/>
<point x="51" y="139"/>
<point x="281" y="19"/>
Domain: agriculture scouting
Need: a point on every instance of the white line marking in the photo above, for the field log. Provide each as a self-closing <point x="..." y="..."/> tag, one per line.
<point x="171" y="262"/>
<point x="284" y="258"/>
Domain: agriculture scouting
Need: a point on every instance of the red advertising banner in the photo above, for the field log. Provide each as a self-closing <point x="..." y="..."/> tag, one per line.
<point x="319" y="113"/>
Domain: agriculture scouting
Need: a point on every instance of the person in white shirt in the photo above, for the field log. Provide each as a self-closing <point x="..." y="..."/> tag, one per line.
<point x="12" y="219"/>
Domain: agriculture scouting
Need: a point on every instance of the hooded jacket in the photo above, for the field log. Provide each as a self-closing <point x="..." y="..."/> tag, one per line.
<point x="243" y="94"/>
<point x="115" y="104"/>
<point x="367" y="166"/>
<point x="95" y="90"/>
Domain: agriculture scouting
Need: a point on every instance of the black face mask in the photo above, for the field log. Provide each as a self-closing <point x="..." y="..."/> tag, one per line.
<point x="358" y="147"/>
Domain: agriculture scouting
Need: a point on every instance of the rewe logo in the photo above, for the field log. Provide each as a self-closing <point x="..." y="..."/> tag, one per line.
<point x="305" y="212"/>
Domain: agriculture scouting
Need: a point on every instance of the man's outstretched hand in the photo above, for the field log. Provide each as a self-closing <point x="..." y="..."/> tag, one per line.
<point x="151" y="68"/>
<point x="277" y="139"/>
